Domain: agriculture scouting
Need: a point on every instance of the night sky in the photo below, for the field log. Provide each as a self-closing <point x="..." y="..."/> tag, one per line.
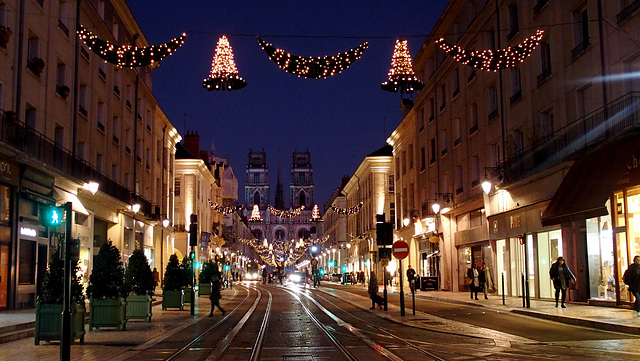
<point x="339" y="120"/>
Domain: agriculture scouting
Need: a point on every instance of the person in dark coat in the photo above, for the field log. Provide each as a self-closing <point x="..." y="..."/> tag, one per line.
<point x="474" y="286"/>
<point x="373" y="291"/>
<point x="215" y="295"/>
<point x="561" y="276"/>
<point x="411" y="276"/>
<point x="632" y="279"/>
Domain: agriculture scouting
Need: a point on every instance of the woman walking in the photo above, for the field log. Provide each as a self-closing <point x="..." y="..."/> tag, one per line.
<point x="215" y="295"/>
<point x="632" y="279"/>
<point x="475" y="285"/>
<point x="488" y="281"/>
<point x="561" y="276"/>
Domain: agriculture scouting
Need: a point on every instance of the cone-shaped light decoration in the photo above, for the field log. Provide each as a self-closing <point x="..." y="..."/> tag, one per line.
<point x="255" y="214"/>
<point x="401" y="76"/>
<point x="315" y="215"/>
<point x="224" y="75"/>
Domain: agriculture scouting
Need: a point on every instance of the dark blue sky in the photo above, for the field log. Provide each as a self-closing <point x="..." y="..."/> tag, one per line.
<point x="339" y="120"/>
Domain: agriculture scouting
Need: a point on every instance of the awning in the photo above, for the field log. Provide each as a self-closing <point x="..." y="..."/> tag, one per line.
<point x="63" y="197"/>
<point x="587" y="186"/>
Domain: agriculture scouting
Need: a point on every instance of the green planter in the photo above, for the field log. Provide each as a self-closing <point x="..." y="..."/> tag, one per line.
<point x="108" y="312"/>
<point x="49" y="322"/>
<point x="187" y="294"/>
<point x="139" y="307"/>
<point x="204" y="289"/>
<point x="173" y="299"/>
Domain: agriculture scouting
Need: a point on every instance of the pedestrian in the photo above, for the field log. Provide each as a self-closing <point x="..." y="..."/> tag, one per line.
<point x="561" y="276"/>
<point x="373" y="291"/>
<point x="215" y="295"/>
<point x="474" y="275"/>
<point x="632" y="279"/>
<point x="156" y="278"/>
<point x="488" y="281"/>
<point x="411" y="276"/>
<point x="264" y="275"/>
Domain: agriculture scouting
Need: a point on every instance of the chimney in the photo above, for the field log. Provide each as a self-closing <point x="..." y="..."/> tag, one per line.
<point x="192" y="142"/>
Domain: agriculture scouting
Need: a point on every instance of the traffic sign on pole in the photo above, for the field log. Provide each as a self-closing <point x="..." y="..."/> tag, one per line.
<point x="400" y="249"/>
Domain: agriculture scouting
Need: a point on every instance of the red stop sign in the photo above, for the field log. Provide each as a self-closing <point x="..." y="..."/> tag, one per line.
<point x="400" y="249"/>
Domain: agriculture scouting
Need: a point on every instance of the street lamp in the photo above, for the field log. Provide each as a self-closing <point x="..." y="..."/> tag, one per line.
<point x="165" y="224"/>
<point x="135" y="208"/>
<point x="91" y="186"/>
<point x="486" y="182"/>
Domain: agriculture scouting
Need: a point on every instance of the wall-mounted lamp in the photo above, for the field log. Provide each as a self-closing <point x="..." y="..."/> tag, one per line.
<point x="486" y="182"/>
<point x="135" y="208"/>
<point x="165" y="223"/>
<point x="436" y="207"/>
<point x="91" y="186"/>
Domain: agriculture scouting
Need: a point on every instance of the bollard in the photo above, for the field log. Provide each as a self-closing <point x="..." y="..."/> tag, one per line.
<point x="523" y="297"/>
<point x="413" y="295"/>
<point x="503" y="289"/>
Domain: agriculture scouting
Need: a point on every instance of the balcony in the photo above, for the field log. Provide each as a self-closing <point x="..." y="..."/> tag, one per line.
<point x="15" y="135"/>
<point x="628" y="11"/>
<point x="588" y="132"/>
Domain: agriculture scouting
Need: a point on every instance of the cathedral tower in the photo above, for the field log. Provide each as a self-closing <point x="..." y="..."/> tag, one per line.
<point x="301" y="187"/>
<point x="256" y="189"/>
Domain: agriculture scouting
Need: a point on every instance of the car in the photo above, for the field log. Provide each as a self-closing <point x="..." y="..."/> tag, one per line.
<point x="297" y="277"/>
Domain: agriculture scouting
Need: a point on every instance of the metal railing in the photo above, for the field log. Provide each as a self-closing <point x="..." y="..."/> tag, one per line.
<point x="589" y="131"/>
<point x="29" y="141"/>
<point x="626" y="12"/>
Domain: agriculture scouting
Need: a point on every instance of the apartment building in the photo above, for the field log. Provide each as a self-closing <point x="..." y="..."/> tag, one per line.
<point x="69" y="119"/>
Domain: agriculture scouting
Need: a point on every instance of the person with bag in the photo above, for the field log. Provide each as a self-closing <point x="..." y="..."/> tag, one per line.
<point x="215" y="295"/>
<point x="488" y="281"/>
<point x="473" y="279"/>
<point x="561" y="276"/>
<point x="632" y="279"/>
<point x="373" y="291"/>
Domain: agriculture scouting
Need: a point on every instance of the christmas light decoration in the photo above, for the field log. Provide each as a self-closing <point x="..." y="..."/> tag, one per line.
<point x="286" y="214"/>
<point x="313" y="67"/>
<point x="315" y="215"/>
<point x="401" y="75"/>
<point x="282" y="253"/>
<point x="128" y="56"/>
<point x="493" y="60"/>
<point x="224" y="75"/>
<point x="255" y="214"/>
<point x="221" y="209"/>
<point x="347" y="211"/>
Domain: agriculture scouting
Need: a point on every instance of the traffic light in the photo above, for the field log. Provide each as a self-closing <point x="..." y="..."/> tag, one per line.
<point x="196" y="265"/>
<point x="322" y="271"/>
<point x="344" y="268"/>
<point x="193" y="231"/>
<point x="192" y="255"/>
<point x="227" y="266"/>
<point x="384" y="233"/>
<point x="51" y="216"/>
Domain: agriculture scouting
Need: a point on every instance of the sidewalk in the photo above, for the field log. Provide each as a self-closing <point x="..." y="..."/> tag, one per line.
<point x="603" y="318"/>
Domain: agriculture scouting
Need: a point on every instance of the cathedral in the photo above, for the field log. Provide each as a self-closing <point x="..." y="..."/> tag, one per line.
<point x="280" y="222"/>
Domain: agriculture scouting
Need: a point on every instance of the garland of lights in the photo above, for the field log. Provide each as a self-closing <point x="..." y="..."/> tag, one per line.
<point x="282" y="253"/>
<point x="401" y="75"/>
<point x="127" y="55"/>
<point x="284" y="213"/>
<point x="315" y="215"/>
<point x="224" y="74"/>
<point x="491" y="60"/>
<point x="221" y="209"/>
<point x="347" y="211"/>
<point x="313" y="67"/>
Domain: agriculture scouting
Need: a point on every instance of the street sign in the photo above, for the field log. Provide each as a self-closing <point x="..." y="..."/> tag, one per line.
<point x="384" y="262"/>
<point x="400" y="249"/>
<point x="314" y="262"/>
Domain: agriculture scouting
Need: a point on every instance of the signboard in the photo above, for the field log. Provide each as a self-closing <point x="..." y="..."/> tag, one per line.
<point x="314" y="262"/>
<point x="384" y="262"/>
<point x="434" y="239"/>
<point x="400" y="249"/>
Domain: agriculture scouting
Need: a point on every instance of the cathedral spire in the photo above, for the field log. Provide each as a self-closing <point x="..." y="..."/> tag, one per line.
<point x="279" y="204"/>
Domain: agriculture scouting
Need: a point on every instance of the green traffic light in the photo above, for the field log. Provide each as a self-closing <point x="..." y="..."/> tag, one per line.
<point x="196" y="265"/>
<point x="321" y="271"/>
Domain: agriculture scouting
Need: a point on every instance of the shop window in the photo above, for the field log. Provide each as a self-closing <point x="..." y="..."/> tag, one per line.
<point x="600" y="258"/>
<point x="549" y="249"/>
<point x="27" y="263"/>
<point x="5" y="205"/>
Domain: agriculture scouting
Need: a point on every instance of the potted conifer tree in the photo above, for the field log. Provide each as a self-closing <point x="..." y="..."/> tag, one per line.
<point x="49" y="305"/>
<point x="204" y="278"/>
<point x="107" y="290"/>
<point x="172" y="294"/>
<point x="139" y="279"/>
<point x="187" y="272"/>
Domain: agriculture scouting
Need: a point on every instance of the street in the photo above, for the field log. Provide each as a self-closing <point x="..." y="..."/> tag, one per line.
<point x="333" y="322"/>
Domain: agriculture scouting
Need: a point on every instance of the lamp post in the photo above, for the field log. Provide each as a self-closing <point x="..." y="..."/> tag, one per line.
<point x="165" y="224"/>
<point x="135" y="208"/>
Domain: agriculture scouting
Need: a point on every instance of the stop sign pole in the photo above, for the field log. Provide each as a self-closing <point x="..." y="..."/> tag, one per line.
<point x="400" y="251"/>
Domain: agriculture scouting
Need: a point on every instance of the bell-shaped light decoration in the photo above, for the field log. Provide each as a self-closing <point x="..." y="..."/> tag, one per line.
<point x="401" y="75"/>
<point x="224" y="74"/>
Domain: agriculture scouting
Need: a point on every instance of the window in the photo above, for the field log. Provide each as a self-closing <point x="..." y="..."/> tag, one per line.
<point x="456" y="82"/>
<point x="99" y="159"/>
<point x="546" y="124"/>
<point x="114" y="29"/>
<point x="584" y="101"/>
<point x="404" y="161"/>
<point x="138" y="150"/>
<point x="410" y="156"/>
<point x="491" y="39"/>
<point x="101" y="72"/>
<point x="63" y="16"/>
<point x="159" y="151"/>
<point x="516" y="85"/>
<point x="545" y="61"/>
<point x="31" y="116"/>
<point x="494" y="153"/>
<point x="493" y="102"/>
<point x="127" y="140"/>
<point x="101" y="116"/>
<point x="82" y="150"/>
<point x="3" y="14"/>
<point x="147" y="157"/>
<point x="114" y="172"/>
<point x="471" y="10"/>
<point x="473" y="118"/>
<point x="116" y="129"/>
<point x="127" y="181"/>
<point x="421" y="118"/>
<point x="1" y="96"/>
<point x="116" y="81"/>
<point x="82" y="100"/>
<point x="391" y="184"/>
<point x="457" y="135"/>
<point x="514" y="25"/>
<point x="580" y="32"/>
<point x="101" y="8"/>
<point x="432" y="109"/>
<point x="518" y="141"/>
<point x="433" y="151"/>
<point x="256" y="178"/>
<point x="475" y="171"/>
<point x="443" y="142"/>
<point x="33" y="47"/>
<point x="443" y="96"/>
<point x="176" y="188"/>
<point x="256" y="198"/>
<point x="59" y="136"/>
<point x="457" y="178"/>
<point x="423" y="159"/>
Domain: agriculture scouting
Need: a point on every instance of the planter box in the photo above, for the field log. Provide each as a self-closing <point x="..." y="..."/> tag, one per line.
<point x="139" y="307"/>
<point x="204" y="289"/>
<point x="110" y="312"/>
<point x="173" y="299"/>
<point x="49" y="322"/>
<point x="187" y="294"/>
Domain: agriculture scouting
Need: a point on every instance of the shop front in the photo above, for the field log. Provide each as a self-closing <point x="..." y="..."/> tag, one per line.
<point x="9" y="181"/>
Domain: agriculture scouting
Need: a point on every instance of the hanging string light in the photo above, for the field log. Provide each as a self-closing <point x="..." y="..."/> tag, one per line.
<point x="224" y="75"/>
<point x="315" y="215"/>
<point x="221" y="209"/>
<point x="347" y="211"/>
<point x="284" y="213"/>
<point x="493" y="60"/>
<point x="313" y="67"/>
<point x="401" y="75"/>
<point x="255" y="214"/>
<point x="282" y="253"/>
<point x="129" y="56"/>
